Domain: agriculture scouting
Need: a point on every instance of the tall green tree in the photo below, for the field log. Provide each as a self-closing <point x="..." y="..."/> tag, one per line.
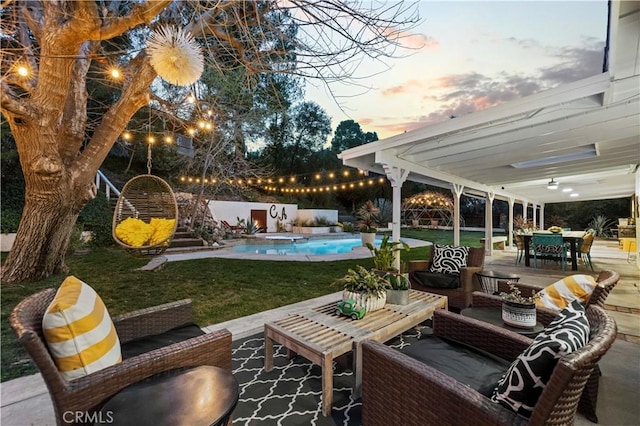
<point x="296" y="137"/>
<point x="349" y="134"/>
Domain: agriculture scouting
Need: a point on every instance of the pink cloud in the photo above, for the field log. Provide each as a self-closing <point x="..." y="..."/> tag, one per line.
<point x="409" y="40"/>
<point x="407" y="86"/>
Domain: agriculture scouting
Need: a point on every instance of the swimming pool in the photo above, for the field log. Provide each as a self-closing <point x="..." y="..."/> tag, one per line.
<point x="308" y="247"/>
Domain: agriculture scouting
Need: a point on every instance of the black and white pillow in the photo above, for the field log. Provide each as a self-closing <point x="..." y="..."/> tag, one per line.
<point x="448" y="259"/>
<point x="523" y="383"/>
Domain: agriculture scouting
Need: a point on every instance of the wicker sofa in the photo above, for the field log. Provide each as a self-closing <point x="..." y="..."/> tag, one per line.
<point x="398" y="389"/>
<point x="88" y="393"/>
<point x="459" y="298"/>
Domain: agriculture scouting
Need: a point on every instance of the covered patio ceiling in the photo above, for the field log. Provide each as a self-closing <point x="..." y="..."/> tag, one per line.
<point x="584" y="135"/>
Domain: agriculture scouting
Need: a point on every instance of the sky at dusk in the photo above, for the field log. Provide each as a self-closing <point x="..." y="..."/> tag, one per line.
<point x="470" y="56"/>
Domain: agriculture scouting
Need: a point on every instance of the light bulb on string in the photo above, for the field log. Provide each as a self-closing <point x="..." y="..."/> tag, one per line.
<point x="23" y="70"/>
<point x="115" y="73"/>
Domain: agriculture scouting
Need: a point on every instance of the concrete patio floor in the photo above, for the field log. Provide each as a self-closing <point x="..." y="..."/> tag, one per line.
<point x="25" y="401"/>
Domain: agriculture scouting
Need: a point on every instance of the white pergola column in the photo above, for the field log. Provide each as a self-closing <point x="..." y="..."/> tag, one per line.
<point x="512" y="202"/>
<point x="525" y="206"/>
<point x="488" y="223"/>
<point x="457" y="191"/>
<point x="636" y="212"/>
<point x="535" y="216"/>
<point x="396" y="176"/>
<point x="541" y="216"/>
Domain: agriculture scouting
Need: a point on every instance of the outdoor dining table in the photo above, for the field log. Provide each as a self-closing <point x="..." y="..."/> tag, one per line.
<point x="574" y="238"/>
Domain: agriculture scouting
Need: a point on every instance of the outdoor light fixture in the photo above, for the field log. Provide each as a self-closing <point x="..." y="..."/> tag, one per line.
<point x="552" y="184"/>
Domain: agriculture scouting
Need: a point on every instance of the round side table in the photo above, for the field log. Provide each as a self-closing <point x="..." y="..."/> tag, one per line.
<point x="494" y="316"/>
<point x="489" y="280"/>
<point x="202" y="395"/>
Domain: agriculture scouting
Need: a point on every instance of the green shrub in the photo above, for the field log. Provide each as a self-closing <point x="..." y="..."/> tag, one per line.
<point x="322" y="221"/>
<point x="601" y="225"/>
<point x="9" y="221"/>
<point x="96" y="217"/>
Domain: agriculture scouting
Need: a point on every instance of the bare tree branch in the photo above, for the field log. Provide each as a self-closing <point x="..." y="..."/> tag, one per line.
<point x="140" y="14"/>
<point x="10" y="103"/>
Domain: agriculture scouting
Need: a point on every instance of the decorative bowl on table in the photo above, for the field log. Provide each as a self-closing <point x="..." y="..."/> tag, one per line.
<point x="555" y="229"/>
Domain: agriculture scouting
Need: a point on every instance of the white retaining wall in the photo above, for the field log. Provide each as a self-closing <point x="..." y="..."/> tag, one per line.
<point x="231" y="210"/>
<point x="310" y="215"/>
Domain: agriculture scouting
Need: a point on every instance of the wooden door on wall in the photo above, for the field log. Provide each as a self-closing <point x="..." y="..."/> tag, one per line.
<point x="260" y="217"/>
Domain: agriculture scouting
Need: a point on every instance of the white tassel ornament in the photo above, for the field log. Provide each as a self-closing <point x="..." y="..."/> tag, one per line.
<point x="175" y="55"/>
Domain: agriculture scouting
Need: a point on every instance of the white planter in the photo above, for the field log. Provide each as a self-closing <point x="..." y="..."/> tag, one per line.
<point x="6" y="241"/>
<point x="371" y="303"/>
<point x="368" y="237"/>
<point x="518" y="314"/>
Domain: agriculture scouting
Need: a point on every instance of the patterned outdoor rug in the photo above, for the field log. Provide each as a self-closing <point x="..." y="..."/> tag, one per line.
<point x="291" y="393"/>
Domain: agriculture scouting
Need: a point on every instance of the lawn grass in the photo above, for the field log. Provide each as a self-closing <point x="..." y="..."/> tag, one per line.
<point x="221" y="289"/>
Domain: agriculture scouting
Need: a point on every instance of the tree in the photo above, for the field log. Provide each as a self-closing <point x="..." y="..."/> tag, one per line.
<point x="349" y="134"/>
<point x="48" y="49"/>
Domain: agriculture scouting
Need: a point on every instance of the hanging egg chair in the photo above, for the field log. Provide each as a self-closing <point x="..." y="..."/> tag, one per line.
<point x="145" y="216"/>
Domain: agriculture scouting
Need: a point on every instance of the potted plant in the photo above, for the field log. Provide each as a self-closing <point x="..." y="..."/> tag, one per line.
<point x="518" y="310"/>
<point x="366" y="287"/>
<point x="384" y="255"/>
<point x="398" y="294"/>
<point x="367" y="216"/>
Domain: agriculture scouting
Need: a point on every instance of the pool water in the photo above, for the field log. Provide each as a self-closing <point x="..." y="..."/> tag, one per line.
<point x="310" y="247"/>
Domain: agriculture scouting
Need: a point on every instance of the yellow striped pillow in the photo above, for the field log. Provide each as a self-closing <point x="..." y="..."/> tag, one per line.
<point x="561" y="293"/>
<point x="79" y="331"/>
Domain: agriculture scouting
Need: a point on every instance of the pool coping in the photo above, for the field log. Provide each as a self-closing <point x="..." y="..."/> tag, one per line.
<point x="226" y="253"/>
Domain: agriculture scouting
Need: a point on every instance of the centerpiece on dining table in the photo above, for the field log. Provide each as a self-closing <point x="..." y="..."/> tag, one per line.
<point x="518" y="310"/>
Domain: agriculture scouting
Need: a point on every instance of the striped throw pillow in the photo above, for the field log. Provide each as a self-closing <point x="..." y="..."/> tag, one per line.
<point x="79" y="332"/>
<point x="561" y="293"/>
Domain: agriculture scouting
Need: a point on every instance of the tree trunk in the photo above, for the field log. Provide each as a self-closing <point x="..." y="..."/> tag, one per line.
<point x="44" y="232"/>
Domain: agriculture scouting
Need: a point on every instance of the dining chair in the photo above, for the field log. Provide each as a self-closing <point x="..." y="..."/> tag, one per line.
<point x="520" y="246"/>
<point x="585" y="247"/>
<point x="548" y="246"/>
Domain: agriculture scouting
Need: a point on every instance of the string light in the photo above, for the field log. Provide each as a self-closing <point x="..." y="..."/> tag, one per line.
<point x="22" y="71"/>
<point x="115" y="73"/>
<point x="286" y="189"/>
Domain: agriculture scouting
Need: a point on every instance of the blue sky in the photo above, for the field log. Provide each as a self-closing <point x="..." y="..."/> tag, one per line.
<point x="469" y="56"/>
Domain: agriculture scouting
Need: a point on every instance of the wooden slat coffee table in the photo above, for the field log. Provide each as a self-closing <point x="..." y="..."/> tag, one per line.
<point x="320" y="335"/>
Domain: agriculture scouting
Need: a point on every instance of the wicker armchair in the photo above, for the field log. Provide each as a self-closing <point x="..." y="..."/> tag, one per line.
<point x="398" y="389"/>
<point x="459" y="298"/>
<point x="88" y="393"/>
<point x="606" y="280"/>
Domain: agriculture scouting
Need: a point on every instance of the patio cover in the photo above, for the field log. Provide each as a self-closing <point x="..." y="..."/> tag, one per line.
<point x="585" y="135"/>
